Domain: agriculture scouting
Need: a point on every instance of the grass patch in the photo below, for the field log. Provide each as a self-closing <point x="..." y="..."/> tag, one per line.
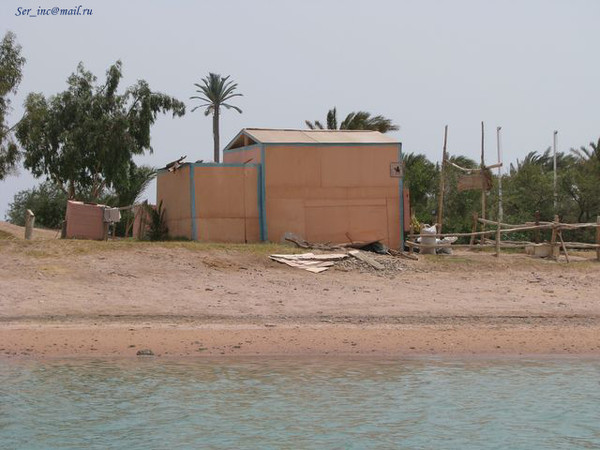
<point x="4" y="235"/>
<point x="74" y="247"/>
<point x="259" y="248"/>
<point x="448" y="260"/>
<point x="39" y="253"/>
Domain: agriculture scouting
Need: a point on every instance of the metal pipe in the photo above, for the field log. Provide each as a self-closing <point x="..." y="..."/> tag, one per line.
<point x="440" y="211"/>
<point x="500" y="210"/>
<point x="555" y="177"/>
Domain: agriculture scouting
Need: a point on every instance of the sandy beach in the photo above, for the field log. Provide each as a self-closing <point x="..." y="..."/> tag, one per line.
<point x="81" y="298"/>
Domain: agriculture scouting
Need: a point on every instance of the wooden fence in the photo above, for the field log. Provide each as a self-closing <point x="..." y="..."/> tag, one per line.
<point x="556" y="244"/>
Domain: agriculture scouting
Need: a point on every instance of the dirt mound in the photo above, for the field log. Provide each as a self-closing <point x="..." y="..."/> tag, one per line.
<point x="9" y="231"/>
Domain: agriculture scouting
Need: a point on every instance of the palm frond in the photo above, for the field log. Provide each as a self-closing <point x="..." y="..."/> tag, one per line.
<point x="332" y="119"/>
<point x="228" y="106"/>
<point x="215" y="90"/>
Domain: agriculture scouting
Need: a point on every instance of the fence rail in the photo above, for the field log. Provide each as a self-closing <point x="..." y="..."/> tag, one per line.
<point x="557" y="243"/>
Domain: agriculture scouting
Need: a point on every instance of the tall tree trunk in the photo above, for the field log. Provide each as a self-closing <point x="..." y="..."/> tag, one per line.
<point x="216" y="134"/>
<point x="71" y="190"/>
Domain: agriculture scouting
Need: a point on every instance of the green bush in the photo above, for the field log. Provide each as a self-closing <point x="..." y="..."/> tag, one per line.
<point x="47" y="201"/>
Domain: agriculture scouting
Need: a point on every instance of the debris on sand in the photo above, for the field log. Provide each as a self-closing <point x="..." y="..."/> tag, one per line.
<point x="315" y="263"/>
<point x="145" y="352"/>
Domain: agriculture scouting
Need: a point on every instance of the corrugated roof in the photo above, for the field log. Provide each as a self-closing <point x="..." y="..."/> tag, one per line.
<point x="285" y="136"/>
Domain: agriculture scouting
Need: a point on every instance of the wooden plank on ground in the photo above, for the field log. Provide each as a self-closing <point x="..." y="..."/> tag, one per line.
<point x="365" y="258"/>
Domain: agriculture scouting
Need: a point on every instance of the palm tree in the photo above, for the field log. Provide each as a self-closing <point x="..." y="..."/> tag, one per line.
<point x="128" y="192"/>
<point x="360" y="120"/>
<point x="215" y="90"/>
<point x="593" y="153"/>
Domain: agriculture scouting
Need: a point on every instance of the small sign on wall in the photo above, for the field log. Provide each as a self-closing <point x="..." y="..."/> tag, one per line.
<point x="397" y="169"/>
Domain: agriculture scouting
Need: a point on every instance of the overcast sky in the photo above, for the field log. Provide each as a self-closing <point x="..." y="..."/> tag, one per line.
<point x="528" y="66"/>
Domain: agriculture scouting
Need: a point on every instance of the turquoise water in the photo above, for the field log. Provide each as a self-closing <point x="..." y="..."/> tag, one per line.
<point x="266" y="403"/>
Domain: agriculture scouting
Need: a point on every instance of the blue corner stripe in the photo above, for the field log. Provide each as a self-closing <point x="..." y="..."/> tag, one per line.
<point x="259" y="199"/>
<point x="401" y="187"/>
<point x="193" y="204"/>
<point x="264" y="236"/>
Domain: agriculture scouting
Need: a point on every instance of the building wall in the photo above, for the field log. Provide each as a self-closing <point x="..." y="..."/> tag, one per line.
<point x="84" y="220"/>
<point x="324" y="193"/>
<point x="243" y="155"/>
<point x="227" y="203"/>
<point x="222" y="206"/>
<point x="332" y="193"/>
<point x="173" y="189"/>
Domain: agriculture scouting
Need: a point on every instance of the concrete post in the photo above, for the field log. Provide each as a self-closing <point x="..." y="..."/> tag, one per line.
<point x="29" y="222"/>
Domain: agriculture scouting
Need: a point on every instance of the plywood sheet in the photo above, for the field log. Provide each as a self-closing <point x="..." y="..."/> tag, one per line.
<point x="84" y="221"/>
<point x="221" y="230"/>
<point x="250" y="155"/>
<point x="285" y="215"/>
<point x="292" y="167"/>
<point x="335" y="223"/>
<point x="173" y="189"/>
<point x="393" y="218"/>
<point x="358" y="166"/>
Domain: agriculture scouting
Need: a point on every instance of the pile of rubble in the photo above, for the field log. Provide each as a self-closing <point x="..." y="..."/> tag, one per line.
<point x="391" y="266"/>
<point x="365" y="257"/>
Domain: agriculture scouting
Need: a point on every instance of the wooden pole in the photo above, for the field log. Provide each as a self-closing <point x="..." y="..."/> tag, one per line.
<point x="440" y="212"/>
<point x="536" y="235"/>
<point x="555" y="177"/>
<point x="553" y="238"/>
<point x="483" y="203"/>
<point x="29" y="223"/>
<point x="500" y="210"/>
<point x="564" y="248"/>
<point x="598" y="238"/>
<point x="474" y="229"/>
<point x="411" y="229"/>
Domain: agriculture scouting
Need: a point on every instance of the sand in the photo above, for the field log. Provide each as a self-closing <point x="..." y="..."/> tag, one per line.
<point x="76" y="298"/>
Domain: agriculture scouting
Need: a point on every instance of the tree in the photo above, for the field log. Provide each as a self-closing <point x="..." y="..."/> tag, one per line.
<point x="215" y="91"/>
<point x="421" y="178"/>
<point x="529" y="187"/>
<point x="582" y="181"/>
<point x="127" y="192"/>
<point x="47" y="201"/>
<point x="458" y="206"/>
<point x="590" y="156"/>
<point x="84" y="139"/>
<point x="11" y="65"/>
<point x="360" y="120"/>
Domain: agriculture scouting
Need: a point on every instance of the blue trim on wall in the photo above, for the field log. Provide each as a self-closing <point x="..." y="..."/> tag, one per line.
<point x="401" y="187"/>
<point x="259" y="199"/>
<point x="224" y="165"/>
<point x="193" y="203"/>
<point x="264" y="236"/>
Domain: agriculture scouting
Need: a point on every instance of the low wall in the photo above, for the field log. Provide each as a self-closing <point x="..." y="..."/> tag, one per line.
<point x="212" y="202"/>
<point x="84" y="221"/>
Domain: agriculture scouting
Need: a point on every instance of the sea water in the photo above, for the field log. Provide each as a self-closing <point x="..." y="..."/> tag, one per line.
<point x="291" y="403"/>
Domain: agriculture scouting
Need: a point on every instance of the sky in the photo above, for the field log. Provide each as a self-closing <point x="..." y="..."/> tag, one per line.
<point x="529" y="66"/>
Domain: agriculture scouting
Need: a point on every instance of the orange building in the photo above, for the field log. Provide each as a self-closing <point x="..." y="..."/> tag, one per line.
<point x="323" y="185"/>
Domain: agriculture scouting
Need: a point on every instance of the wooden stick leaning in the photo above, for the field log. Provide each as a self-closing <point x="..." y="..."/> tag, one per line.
<point x="564" y="248"/>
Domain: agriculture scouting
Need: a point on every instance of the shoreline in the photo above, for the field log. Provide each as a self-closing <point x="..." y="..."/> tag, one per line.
<point x="63" y="298"/>
<point x="76" y="339"/>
